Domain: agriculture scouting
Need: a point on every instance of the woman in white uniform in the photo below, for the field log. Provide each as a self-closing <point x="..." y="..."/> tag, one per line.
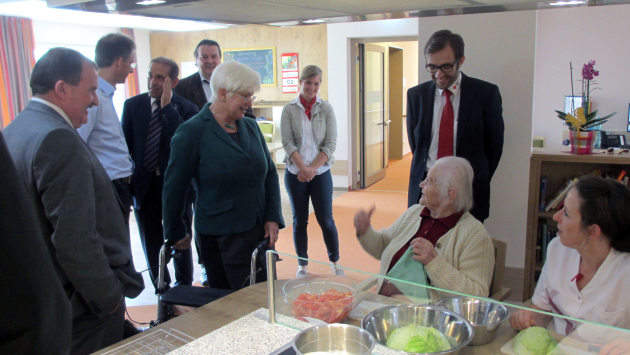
<point x="586" y="272"/>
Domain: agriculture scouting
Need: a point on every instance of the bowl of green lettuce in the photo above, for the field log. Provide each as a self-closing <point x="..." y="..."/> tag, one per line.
<point x="419" y="329"/>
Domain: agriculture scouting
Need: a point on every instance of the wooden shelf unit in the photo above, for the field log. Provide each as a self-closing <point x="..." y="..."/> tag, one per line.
<point x="558" y="166"/>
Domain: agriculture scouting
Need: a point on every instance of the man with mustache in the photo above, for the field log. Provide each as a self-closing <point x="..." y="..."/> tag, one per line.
<point x="149" y="121"/>
<point x="454" y="115"/>
<point x="196" y="89"/>
<point x="76" y="205"/>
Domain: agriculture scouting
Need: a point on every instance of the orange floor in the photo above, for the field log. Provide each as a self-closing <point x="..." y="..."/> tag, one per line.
<point x="389" y="196"/>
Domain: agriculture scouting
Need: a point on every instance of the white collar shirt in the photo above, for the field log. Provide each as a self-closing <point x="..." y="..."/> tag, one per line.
<point x="54" y="107"/>
<point x="309" y="149"/>
<point x="207" y="90"/>
<point x="604" y="300"/>
<point x="438" y="107"/>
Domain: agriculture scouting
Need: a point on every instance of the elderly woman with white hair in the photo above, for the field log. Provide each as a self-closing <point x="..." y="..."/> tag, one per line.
<point x="454" y="247"/>
<point x="238" y="191"/>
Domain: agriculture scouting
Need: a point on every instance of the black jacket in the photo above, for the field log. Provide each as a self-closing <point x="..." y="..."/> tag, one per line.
<point x="479" y="136"/>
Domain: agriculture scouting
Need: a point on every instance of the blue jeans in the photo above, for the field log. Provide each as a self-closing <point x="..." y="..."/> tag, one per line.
<point x="319" y="190"/>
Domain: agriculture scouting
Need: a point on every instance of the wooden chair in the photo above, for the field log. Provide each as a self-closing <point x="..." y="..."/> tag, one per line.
<point x="497" y="291"/>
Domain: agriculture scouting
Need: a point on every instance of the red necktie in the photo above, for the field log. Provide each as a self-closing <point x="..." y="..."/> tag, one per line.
<point x="445" y="142"/>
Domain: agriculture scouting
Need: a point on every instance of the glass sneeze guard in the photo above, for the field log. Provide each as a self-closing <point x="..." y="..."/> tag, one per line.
<point x="323" y="298"/>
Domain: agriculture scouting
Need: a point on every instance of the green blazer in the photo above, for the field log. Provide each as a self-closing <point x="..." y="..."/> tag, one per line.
<point x="236" y="186"/>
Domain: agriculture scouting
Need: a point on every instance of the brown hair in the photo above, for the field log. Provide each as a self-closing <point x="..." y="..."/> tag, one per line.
<point x="310" y="71"/>
<point x="606" y="202"/>
<point x="440" y="39"/>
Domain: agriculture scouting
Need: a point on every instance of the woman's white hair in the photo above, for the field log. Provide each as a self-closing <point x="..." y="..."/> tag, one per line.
<point x="233" y="77"/>
<point x="456" y="173"/>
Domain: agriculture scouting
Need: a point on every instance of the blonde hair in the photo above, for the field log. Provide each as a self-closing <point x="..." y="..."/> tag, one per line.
<point x="310" y="71"/>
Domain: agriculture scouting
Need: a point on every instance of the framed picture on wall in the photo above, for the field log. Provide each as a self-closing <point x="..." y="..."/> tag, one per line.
<point x="261" y="59"/>
<point x="571" y="103"/>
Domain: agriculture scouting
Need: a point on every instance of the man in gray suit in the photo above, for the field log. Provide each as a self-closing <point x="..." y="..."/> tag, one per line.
<point x="76" y="205"/>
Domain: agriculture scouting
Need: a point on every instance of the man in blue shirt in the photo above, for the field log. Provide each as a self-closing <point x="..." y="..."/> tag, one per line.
<point x="115" y="56"/>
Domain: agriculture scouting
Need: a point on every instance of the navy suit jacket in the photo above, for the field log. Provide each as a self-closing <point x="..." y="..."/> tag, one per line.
<point x="479" y="136"/>
<point x="191" y="89"/>
<point x="135" y="122"/>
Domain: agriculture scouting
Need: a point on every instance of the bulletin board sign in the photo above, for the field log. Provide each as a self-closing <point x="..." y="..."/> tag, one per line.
<point x="290" y="72"/>
<point x="261" y="59"/>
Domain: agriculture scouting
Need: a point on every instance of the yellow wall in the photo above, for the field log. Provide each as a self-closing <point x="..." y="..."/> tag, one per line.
<point x="308" y="41"/>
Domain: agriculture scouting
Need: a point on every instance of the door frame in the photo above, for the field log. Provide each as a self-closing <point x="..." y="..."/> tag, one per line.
<point x="355" y="107"/>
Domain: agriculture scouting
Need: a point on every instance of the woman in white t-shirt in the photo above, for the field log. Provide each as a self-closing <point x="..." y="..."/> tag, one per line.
<point x="586" y="275"/>
<point x="309" y="139"/>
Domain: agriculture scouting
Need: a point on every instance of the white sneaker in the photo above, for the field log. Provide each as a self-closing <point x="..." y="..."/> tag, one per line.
<point x="302" y="272"/>
<point x="337" y="270"/>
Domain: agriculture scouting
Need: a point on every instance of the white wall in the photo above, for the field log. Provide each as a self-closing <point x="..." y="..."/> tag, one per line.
<point x="500" y="49"/>
<point x="339" y="87"/>
<point x="83" y="38"/>
<point x="578" y="35"/>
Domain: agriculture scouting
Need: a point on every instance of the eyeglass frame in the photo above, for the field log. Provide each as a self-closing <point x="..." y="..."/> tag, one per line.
<point x="252" y="98"/>
<point x="133" y="65"/>
<point x="453" y="65"/>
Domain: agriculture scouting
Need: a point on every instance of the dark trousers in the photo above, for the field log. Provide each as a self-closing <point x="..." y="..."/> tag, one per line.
<point x="91" y="334"/>
<point x="149" y="218"/>
<point x="228" y="257"/>
<point x="319" y="190"/>
<point x="124" y="193"/>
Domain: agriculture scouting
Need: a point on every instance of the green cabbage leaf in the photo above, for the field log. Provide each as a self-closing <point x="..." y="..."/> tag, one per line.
<point x="535" y="341"/>
<point x="418" y="339"/>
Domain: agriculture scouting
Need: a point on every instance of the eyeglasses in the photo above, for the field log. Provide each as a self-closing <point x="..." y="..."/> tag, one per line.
<point x="430" y="181"/>
<point x="445" y="68"/>
<point x="134" y="65"/>
<point x="247" y="98"/>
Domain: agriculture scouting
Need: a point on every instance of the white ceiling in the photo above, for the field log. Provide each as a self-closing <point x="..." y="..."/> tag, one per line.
<point x="287" y="12"/>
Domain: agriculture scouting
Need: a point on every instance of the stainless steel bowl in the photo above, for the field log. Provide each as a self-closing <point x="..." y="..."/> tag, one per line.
<point x="485" y="316"/>
<point x="334" y="337"/>
<point x="383" y="321"/>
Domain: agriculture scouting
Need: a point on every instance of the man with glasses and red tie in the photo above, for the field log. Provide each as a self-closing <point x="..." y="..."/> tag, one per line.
<point x="454" y="115"/>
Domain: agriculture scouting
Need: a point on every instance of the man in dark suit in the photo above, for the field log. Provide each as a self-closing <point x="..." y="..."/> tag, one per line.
<point x="196" y="87"/>
<point x="76" y="205"/>
<point x="149" y="122"/>
<point x="38" y="319"/>
<point x="454" y="114"/>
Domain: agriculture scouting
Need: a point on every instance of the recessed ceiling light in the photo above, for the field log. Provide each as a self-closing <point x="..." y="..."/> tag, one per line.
<point x="568" y="3"/>
<point x="38" y="10"/>
<point x="150" y="2"/>
<point x="314" y="21"/>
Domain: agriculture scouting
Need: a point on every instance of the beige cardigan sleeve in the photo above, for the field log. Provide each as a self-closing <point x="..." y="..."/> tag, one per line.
<point x="375" y="242"/>
<point x="466" y="263"/>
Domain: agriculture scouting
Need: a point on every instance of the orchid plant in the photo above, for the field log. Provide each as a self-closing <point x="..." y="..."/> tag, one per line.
<point x="581" y="119"/>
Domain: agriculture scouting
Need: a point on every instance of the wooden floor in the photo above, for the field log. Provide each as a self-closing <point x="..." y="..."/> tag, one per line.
<point x="388" y="195"/>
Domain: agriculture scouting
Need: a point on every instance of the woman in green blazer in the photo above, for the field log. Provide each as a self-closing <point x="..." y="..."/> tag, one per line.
<point x="238" y="191"/>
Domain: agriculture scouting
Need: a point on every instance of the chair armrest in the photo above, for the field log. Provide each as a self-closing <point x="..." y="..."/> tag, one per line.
<point x="368" y="283"/>
<point x="502" y="294"/>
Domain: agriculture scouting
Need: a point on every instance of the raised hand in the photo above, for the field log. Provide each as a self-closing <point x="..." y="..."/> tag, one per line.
<point x="362" y="220"/>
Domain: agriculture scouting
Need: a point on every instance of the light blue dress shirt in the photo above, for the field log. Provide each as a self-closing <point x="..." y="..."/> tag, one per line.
<point x="104" y="135"/>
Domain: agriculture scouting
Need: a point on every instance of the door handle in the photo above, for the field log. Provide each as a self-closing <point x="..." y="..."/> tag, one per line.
<point x="386" y="123"/>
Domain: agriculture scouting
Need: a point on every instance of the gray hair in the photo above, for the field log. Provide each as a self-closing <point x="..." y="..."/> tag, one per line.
<point x="234" y="76"/>
<point x="310" y="71"/>
<point x="457" y="174"/>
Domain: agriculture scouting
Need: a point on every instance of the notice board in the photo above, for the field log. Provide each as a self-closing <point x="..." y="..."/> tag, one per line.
<point x="261" y="59"/>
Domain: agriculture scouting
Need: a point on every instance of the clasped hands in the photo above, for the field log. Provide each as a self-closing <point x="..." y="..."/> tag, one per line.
<point x="307" y="174"/>
<point x="423" y="250"/>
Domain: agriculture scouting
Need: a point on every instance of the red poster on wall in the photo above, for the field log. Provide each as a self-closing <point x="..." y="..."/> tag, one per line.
<point x="290" y="72"/>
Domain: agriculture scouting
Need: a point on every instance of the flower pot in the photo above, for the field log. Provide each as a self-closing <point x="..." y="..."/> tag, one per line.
<point x="582" y="142"/>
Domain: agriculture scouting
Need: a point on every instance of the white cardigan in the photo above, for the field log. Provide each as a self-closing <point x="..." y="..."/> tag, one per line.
<point x="465" y="260"/>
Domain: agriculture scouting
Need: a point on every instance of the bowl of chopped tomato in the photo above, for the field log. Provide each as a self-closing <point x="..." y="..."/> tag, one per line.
<point x="328" y="298"/>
